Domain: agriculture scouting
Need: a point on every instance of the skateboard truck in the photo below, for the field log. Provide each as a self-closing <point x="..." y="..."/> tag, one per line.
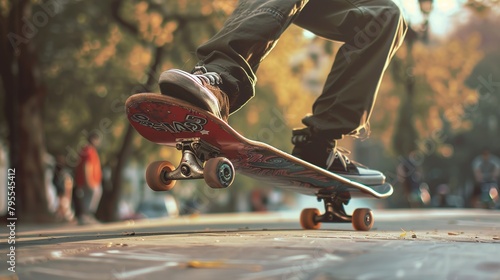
<point x="199" y="160"/>
<point x="201" y="149"/>
<point x="334" y="209"/>
<point x="194" y="153"/>
<point x="361" y="219"/>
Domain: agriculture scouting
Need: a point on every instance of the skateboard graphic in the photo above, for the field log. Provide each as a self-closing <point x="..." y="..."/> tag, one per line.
<point x="213" y="151"/>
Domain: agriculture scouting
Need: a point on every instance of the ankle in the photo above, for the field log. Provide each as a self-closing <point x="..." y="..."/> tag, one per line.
<point x="310" y="147"/>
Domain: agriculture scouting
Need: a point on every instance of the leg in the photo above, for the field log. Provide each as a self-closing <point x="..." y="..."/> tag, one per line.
<point x="94" y="199"/>
<point x="87" y="199"/>
<point x="78" y="201"/>
<point x="372" y="31"/>
<point x="249" y="34"/>
<point x="224" y="79"/>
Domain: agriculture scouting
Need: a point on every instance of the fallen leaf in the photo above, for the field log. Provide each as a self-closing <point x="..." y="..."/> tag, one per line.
<point x="496" y="238"/>
<point x="453" y="233"/>
<point x="221" y="264"/>
<point x="403" y="235"/>
<point x="206" y="264"/>
<point x="195" y="215"/>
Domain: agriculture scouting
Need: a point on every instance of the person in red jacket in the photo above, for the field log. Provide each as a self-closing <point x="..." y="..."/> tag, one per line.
<point x="88" y="178"/>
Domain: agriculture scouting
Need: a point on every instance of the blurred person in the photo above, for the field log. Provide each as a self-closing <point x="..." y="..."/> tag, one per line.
<point x="63" y="182"/>
<point x="409" y="176"/>
<point x="259" y="200"/>
<point x="224" y="79"/>
<point x="441" y="198"/>
<point x="88" y="177"/>
<point x="486" y="168"/>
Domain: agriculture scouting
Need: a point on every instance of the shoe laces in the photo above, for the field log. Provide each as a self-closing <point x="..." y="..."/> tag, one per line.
<point x="338" y="153"/>
<point x="211" y="78"/>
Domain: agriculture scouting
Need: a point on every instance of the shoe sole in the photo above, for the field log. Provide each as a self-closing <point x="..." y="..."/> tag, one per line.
<point x="368" y="180"/>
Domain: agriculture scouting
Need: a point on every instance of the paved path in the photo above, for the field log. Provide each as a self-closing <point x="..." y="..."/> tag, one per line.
<point x="404" y="244"/>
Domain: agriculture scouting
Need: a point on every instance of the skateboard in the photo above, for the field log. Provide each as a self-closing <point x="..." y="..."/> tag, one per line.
<point x="213" y="151"/>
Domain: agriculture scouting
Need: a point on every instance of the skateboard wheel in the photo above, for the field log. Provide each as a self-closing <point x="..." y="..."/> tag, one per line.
<point x="155" y="176"/>
<point x="362" y="219"/>
<point x="307" y="218"/>
<point x="218" y="173"/>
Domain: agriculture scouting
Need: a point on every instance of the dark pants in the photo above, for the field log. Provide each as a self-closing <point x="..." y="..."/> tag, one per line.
<point x="372" y="31"/>
<point x="86" y="201"/>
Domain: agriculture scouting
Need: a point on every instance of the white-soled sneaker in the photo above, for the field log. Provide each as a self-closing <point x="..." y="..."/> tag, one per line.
<point x="326" y="154"/>
<point x="201" y="89"/>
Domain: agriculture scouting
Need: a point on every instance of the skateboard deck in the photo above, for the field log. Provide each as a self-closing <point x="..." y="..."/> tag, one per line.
<point x="214" y="151"/>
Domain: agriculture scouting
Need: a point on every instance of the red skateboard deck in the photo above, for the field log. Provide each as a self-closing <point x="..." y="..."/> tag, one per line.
<point x="214" y="151"/>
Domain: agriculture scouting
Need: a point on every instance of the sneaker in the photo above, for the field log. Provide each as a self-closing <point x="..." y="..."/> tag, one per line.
<point x="201" y="89"/>
<point x="326" y="154"/>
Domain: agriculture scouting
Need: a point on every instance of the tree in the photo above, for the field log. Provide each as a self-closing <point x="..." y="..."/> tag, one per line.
<point x="427" y="82"/>
<point x="483" y="7"/>
<point x="24" y="94"/>
<point x="118" y="50"/>
<point x="484" y="114"/>
<point x="78" y="51"/>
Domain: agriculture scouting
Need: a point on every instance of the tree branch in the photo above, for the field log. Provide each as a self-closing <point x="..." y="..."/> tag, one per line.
<point x="115" y="12"/>
<point x="157" y="58"/>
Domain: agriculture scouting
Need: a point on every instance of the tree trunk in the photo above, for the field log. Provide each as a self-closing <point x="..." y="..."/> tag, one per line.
<point x="23" y="111"/>
<point x="405" y="133"/>
<point x="108" y="208"/>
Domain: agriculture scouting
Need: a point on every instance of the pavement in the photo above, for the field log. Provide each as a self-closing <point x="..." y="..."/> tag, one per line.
<point x="403" y="244"/>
